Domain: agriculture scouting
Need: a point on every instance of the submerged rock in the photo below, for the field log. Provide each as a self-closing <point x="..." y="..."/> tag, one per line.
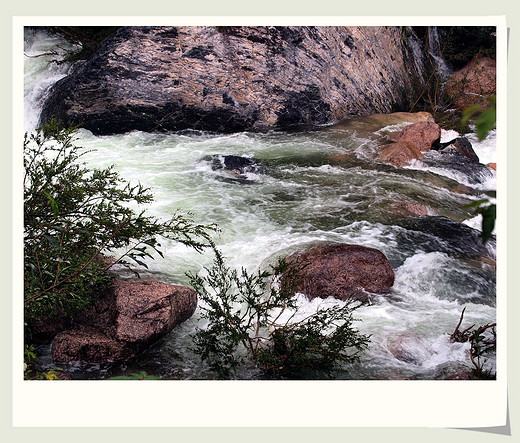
<point x="399" y="154"/>
<point x="442" y="234"/>
<point x="412" y="208"/>
<point x="461" y="167"/>
<point x="132" y="316"/>
<point x="372" y="123"/>
<point x="343" y="271"/>
<point x="235" y="165"/>
<point x="408" y="348"/>
<point x="229" y="79"/>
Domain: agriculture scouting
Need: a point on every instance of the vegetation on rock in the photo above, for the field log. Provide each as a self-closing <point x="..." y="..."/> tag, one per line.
<point x="73" y="218"/>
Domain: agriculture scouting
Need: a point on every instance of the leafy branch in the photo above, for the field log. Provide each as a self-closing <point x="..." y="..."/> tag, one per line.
<point x="482" y="342"/>
<point x="74" y="217"/>
<point x="246" y="326"/>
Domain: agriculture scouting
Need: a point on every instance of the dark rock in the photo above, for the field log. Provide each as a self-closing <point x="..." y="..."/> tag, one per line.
<point x="343" y="271"/>
<point x="129" y="318"/>
<point x="44" y="329"/>
<point x="442" y="234"/>
<point x="236" y="167"/>
<point x="228" y="79"/>
<point x="235" y="163"/>
<point x="461" y="145"/>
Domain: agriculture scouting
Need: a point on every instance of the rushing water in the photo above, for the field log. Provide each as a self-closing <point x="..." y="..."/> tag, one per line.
<point x="320" y="185"/>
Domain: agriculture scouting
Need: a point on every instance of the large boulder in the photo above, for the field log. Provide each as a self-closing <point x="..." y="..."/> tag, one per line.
<point x="149" y="309"/>
<point x="473" y="84"/>
<point x="229" y="79"/>
<point x="132" y="316"/>
<point x="342" y="271"/>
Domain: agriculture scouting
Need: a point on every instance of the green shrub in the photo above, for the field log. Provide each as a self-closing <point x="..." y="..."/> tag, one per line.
<point x="244" y="313"/>
<point x="74" y="217"/>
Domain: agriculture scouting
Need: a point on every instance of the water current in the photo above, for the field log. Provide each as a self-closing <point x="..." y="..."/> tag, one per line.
<point x="310" y="186"/>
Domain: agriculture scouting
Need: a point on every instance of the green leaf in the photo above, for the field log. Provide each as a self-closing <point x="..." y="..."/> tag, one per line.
<point x="488" y="221"/>
<point x="485" y="122"/>
<point x="54" y="243"/>
<point x="468" y="113"/>
<point x="476" y="204"/>
<point x="53" y="203"/>
<point x="135" y="376"/>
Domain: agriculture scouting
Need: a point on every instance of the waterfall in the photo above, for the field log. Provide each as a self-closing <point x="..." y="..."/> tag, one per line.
<point x="435" y="52"/>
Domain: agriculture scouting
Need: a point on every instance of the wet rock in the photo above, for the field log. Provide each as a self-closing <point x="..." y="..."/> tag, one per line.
<point x="412" y="208"/>
<point x="461" y="145"/>
<point x="421" y="135"/>
<point x="410" y="143"/>
<point x="473" y="84"/>
<point x="235" y="164"/>
<point x="228" y="79"/>
<point x="460" y="165"/>
<point x="375" y="122"/>
<point x="343" y="271"/>
<point x="442" y="234"/>
<point x="399" y="154"/>
<point x="124" y="322"/>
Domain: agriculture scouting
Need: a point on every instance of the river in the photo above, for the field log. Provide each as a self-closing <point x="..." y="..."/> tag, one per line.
<point x="316" y="185"/>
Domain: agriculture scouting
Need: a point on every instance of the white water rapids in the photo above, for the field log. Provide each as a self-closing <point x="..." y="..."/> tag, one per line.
<point x="320" y="185"/>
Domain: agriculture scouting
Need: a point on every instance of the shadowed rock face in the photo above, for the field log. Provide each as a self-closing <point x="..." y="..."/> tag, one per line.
<point x="228" y="79"/>
<point x="343" y="271"/>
